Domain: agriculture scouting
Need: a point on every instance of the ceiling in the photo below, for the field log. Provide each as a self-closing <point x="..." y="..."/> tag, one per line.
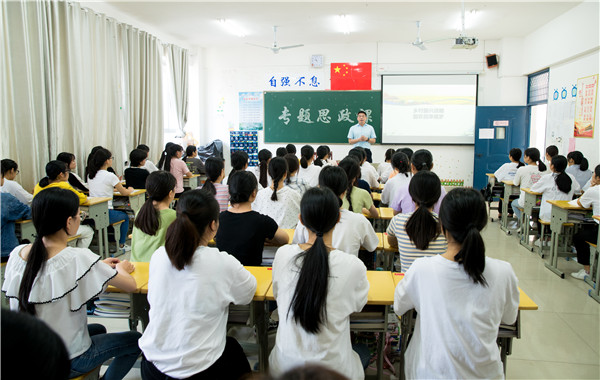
<point x="195" y="23"/>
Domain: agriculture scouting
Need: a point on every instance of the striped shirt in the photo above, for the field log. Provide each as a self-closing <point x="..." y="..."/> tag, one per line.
<point x="222" y="195"/>
<point x="408" y="252"/>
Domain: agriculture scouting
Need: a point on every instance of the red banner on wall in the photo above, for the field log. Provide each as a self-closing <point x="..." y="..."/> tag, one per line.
<point x="351" y="76"/>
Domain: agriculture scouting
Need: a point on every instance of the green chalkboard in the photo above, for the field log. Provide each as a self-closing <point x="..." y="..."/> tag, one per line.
<point x="318" y="116"/>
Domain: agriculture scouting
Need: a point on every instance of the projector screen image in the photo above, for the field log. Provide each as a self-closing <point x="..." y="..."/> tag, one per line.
<point x="428" y="109"/>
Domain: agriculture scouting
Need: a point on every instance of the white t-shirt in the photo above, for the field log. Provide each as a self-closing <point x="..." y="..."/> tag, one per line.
<point x="61" y="290"/>
<point x="390" y="190"/>
<point x="592" y="198"/>
<point x="284" y="210"/>
<point x="458" y="320"/>
<point x="189" y="309"/>
<point x="369" y="174"/>
<point x="384" y="170"/>
<point x="310" y="174"/>
<point x="103" y="185"/>
<point x="347" y="291"/>
<point x="351" y="232"/>
<point x="149" y="166"/>
<point x="547" y="186"/>
<point x="14" y="188"/>
<point x="506" y="172"/>
<point x="526" y="177"/>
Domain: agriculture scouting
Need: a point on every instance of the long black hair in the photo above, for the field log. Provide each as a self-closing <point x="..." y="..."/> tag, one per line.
<point x="136" y="157"/>
<point x="67" y="158"/>
<point x="322" y="153"/>
<point x="53" y="170"/>
<point x="263" y="164"/>
<point x="352" y="168"/>
<point x="7" y="165"/>
<point x="158" y="186"/>
<point x="562" y="179"/>
<point x="422" y="227"/>
<point x="578" y="159"/>
<point x="196" y="210"/>
<point x="307" y="152"/>
<point x="422" y="159"/>
<point x="239" y="160"/>
<point x="401" y="163"/>
<point x="281" y="151"/>
<point x="334" y="178"/>
<point x="50" y="210"/>
<point x="319" y="212"/>
<point x="293" y="166"/>
<point x="163" y="155"/>
<point x="463" y="215"/>
<point x="516" y="153"/>
<point x="97" y="161"/>
<point x="388" y="154"/>
<point x="277" y="169"/>
<point x="89" y="161"/>
<point x="214" y="167"/>
<point x="171" y="153"/>
<point x="241" y="186"/>
<point x="534" y="155"/>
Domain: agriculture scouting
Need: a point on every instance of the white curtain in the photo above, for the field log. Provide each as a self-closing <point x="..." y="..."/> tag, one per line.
<point x="178" y="58"/>
<point x="73" y="79"/>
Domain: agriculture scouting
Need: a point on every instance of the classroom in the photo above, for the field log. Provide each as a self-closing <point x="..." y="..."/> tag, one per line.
<point x="118" y="74"/>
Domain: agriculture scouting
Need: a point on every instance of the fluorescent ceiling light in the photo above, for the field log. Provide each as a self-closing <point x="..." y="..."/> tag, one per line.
<point x="472" y="18"/>
<point x="343" y="23"/>
<point x="232" y="27"/>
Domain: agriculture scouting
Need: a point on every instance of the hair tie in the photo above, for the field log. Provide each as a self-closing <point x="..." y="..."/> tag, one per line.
<point x="470" y="226"/>
<point x="320" y="234"/>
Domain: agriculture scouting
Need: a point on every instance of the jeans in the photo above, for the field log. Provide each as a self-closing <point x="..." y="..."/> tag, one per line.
<point x="115" y="216"/>
<point x="363" y="353"/>
<point x="123" y="347"/>
<point x="515" y="207"/>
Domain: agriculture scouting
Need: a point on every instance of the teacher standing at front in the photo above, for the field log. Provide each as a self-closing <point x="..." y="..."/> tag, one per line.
<point x="362" y="134"/>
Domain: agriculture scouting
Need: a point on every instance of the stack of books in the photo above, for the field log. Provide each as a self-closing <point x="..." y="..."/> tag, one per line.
<point x="113" y="305"/>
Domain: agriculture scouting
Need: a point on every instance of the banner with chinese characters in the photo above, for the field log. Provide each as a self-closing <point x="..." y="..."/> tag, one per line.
<point x="251" y="111"/>
<point x="318" y="116"/>
<point x="585" y="106"/>
<point x="294" y="82"/>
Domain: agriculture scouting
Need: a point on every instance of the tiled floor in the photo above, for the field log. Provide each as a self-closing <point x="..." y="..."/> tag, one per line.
<point x="561" y="340"/>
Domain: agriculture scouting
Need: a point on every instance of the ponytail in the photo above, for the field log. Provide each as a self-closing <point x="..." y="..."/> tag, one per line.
<point x="158" y="186"/>
<point x="584" y="164"/>
<point x="422" y="227"/>
<point x="322" y="153"/>
<point x="53" y="170"/>
<point x="163" y="156"/>
<point x="263" y="161"/>
<point x="98" y="159"/>
<point x="463" y="215"/>
<point x="214" y="167"/>
<point x="319" y="214"/>
<point x="306" y="154"/>
<point x="277" y="169"/>
<point x="292" y="162"/>
<point x="352" y="168"/>
<point x="171" y="153"/>
<point x="401" y="163"/>
<point x="562" y="179"/>
<point x="196" y="210"/>
<point x="534" y="155"/>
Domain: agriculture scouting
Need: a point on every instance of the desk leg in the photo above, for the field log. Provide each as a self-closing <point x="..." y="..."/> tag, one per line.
<point x="553" y="265"/>
<point x="381" y="345"/>
<point x="106" y="248"/>
<point x="526" y="229"/>
<point x="139" y="311"/>
<point x="260" y="319"/>
<point x="504" y="220"/>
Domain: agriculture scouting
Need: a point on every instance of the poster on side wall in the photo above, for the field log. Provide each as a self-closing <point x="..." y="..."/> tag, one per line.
<point x="251" y="111"/>
<point x="585" y="106"/>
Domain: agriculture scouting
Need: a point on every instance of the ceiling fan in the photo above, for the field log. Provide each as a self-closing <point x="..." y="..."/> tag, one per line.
<point x="275" y="48"/>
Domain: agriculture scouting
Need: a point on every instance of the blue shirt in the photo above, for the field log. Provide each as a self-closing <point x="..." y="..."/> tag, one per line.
<point x="12" y="210"/>
<point x="366" y="130"/>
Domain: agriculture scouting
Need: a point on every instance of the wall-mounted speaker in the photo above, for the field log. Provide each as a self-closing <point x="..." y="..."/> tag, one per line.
<point x="492" y="60"/>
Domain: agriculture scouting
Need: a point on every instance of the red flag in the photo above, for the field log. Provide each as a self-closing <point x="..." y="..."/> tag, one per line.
<point x="351" y="76"/>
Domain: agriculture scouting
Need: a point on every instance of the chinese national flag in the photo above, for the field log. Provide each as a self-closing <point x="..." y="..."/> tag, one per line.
<point x="351" y="76"/>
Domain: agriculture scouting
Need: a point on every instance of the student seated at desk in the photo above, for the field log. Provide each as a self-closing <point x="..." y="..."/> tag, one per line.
<point x="54" y="282"/>
<point x="215" y="172"/>
<point x="460" y="296"/>
<point x="507" y="172"/>
<point x="10" y="169"/>
<point x="239" y="162"/>
<point x="136" y="174"/>
<point x="243" y="232"/>
<point x="292" y="180"/>
<point x="385" y="168"/>
<point x="74" y="180"/>
<point x="90" y="159"/>
<point x="589" y="231"/>
<point x="173" y="163"/>
<point x="155" y="216"/>
<point x="356" y="200"/>
<point x="558" y="186"/>
<point x="317" y="287"/>
<point x="191" y="158"/>
<point x="262" y="170"/>
<point x="402" y="203"/>
<point x="149" y="165"/>
<point x="11" y="210"/>
<point x="418" y="234"/>
<point x="280" y="202"/>
<point x="401" y="176"/>
<point x="308" y="171"/>
<point x="323" y="156"/>
<point x="579" y="167"/>
<point x="103" y="184"/>
<point x="57" y="175"/>
<point x="526" y="177"/>
<point x="353" y="230"/>
<point x="368" y="174"/>
<point x="190" y="288"/>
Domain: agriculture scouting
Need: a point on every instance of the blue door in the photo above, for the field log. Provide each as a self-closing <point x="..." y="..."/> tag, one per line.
<point x="497" y="131"/>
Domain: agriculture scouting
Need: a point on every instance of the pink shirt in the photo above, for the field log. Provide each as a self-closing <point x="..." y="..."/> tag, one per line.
<point x="178" y="169"/>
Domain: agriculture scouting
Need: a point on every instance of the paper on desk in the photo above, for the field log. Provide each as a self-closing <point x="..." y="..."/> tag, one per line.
<point x="573" y="203"/>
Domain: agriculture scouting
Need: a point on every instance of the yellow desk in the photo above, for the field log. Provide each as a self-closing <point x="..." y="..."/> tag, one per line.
<point x="97" y="210"/>
<point x="560" y="215"/>
<point x="529" y="208"/>
<point x="140" y="274"/>
<point x="509" y="189"/>
<point x="376" y="197"/>
<point x="491" y="179"/>
<point x="26" y="229"/>
<point x="386" y="213"/>
<point x="378" y="187"/>
<point x="136" y="199"/>
<point x="194" y="181"/>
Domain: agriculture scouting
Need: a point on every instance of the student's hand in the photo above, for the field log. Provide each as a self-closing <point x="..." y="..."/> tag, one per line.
<point x="125" y="266"/>
<point x="130" y="188"/>
<point x="112" y="261"/>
